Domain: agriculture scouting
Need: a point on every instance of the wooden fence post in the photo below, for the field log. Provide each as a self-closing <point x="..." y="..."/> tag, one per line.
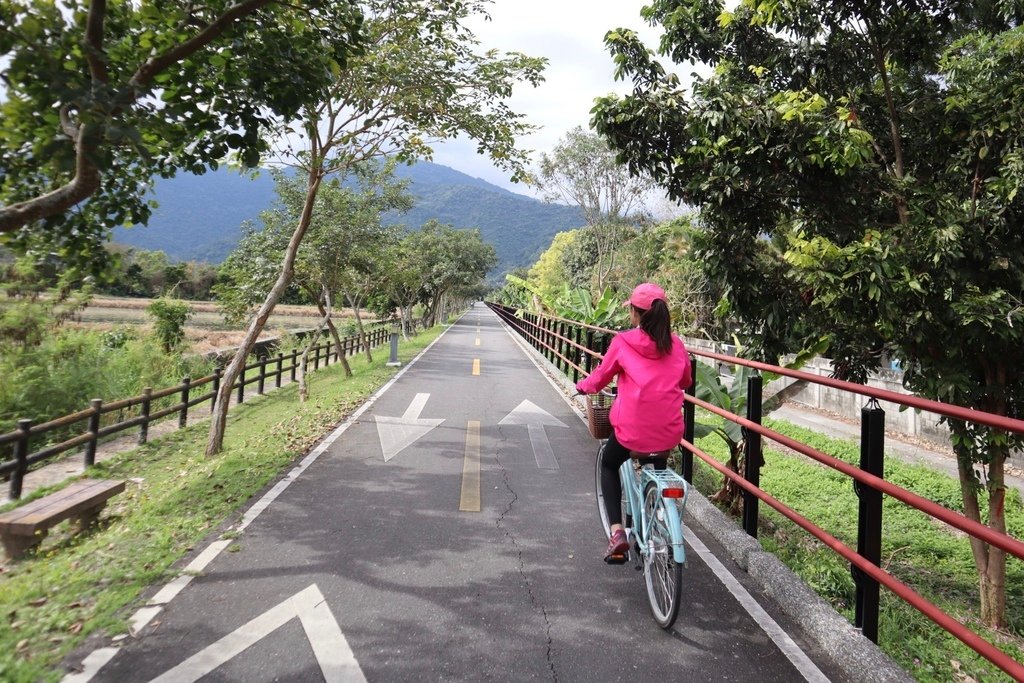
<point x="20" y="457"/>
<point x="144" y="428"/>
<point x="241" y="384"/>
<point x="316" y="357"/>
<point x="217" y="372"/>
<point x="94" y="428"/>
<point x="263" y="375"/>
<point x="295" y="362"/>
<point x="186" y="382"/>
<point x="280" y="366"/>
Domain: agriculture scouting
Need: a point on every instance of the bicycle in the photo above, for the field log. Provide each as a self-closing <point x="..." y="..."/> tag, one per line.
<point x="658" y="498"/>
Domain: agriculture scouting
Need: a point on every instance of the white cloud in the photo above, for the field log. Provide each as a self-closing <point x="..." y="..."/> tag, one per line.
<point x="570" y="34"/>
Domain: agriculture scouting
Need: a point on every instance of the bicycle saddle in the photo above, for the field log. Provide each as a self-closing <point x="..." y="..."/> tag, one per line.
<point x="638" y="455"/>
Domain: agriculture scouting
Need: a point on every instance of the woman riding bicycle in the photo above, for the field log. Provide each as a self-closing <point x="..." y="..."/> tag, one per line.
<point x="653" y="369"/>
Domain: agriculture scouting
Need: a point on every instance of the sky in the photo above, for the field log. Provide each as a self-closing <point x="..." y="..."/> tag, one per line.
<point x="570" y="34"/>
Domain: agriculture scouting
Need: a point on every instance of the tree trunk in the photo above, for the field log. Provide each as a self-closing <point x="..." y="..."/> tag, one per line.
<point x="989" y="561"/>
<point x="338" y="348"/>
<point x="406" y="315"/>
<point x="730" y="495"/>
<point x="353" y="302"/>
<point x="218" y="422"/>
<point x="314" y="340"/>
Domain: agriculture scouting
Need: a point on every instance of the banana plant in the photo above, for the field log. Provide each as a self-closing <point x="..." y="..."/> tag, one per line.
<point x="711" y="389"/>
<point x="578" y="304"/>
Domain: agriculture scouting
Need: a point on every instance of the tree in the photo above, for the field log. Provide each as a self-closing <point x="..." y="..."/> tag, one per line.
<point x="875" y="142"/>
<point x="100" y="97"/>
<point x="583" y="170"/>
<point x="448" y="259"/>
<point x="419" y="80"/>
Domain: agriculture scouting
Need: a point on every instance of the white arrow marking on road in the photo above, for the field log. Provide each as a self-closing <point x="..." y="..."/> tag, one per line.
<point x="535" y="419"/>
<point x="337" y="662"/>
<point x="398" y="433"/>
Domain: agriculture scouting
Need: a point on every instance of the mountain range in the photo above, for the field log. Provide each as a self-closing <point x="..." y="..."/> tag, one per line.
<point x="200" y="217"/>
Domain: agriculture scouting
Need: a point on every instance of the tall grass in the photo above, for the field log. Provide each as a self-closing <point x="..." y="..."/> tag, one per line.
<point x="70" y="368"/>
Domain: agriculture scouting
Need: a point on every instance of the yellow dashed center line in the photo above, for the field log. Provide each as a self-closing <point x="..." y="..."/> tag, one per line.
<point x="470" y="500"/>
<point x="476" y="366"/>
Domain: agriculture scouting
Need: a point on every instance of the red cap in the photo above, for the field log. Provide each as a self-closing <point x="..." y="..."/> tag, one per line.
<point x="646" y="294"/>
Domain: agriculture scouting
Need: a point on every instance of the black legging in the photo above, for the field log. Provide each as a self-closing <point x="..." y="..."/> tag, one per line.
<point x="612" y="456"/>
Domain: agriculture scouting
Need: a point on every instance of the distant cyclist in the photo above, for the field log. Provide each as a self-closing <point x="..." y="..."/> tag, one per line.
<point x="652" y="367"/>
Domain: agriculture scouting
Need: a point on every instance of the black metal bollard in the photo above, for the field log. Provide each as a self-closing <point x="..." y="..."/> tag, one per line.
<point x="752" y="458"/>
<point x="689" y="421"/>
<point x="869" y="521"/>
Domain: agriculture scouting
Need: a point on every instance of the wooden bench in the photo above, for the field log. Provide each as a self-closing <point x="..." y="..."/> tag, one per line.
<point x="25" y="527"/>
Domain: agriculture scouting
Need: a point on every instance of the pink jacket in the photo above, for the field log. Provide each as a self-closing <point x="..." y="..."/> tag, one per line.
<point x="647" y="413"/>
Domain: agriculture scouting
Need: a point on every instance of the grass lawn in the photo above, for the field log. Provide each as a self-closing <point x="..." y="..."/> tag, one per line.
<point x="930" y="557"/>
<point x="79" y="585"/>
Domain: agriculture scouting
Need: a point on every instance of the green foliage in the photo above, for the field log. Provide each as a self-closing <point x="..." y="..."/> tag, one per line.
<point x="36" y="301"/>
<point x="169" y="317"/>
<point x="582" y="170"/>
<point x="81" y="104"/>
<point x="70" y="367"/>
<point x="142" y="273"/>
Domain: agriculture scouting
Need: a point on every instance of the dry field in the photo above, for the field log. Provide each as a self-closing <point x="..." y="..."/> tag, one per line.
<point x="206" y="330"/>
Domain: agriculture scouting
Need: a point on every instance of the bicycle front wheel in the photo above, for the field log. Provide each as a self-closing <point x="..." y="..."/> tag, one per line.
<point x="663" y="576"/>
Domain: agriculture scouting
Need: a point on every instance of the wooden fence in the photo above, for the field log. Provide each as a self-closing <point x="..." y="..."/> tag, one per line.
<point x="154" y="405"/>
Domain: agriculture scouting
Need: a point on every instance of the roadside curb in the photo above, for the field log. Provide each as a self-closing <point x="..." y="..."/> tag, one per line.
<point x="852" y="653"/>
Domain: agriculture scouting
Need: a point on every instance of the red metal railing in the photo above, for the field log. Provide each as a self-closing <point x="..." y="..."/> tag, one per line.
<point x="555" y="338"/>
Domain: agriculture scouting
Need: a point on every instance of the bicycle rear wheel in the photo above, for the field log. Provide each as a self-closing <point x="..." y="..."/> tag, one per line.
<point x="663" y="576"/>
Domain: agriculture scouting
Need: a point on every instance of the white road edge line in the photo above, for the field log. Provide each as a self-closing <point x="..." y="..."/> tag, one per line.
<point x="100" y="657"/>
<point x="790" y="649"/>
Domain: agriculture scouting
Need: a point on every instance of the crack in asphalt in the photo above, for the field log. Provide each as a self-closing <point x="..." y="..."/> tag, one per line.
<point x="534" y="601"/>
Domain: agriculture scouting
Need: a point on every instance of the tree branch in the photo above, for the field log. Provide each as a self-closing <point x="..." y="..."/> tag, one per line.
<point x="94" y="41"/>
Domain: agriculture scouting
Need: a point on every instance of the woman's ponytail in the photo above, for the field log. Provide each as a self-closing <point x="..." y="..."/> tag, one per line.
<point x="657" y="323"/>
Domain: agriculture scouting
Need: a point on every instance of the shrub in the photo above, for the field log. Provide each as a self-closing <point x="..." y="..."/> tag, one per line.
<point x="169" y="316"/>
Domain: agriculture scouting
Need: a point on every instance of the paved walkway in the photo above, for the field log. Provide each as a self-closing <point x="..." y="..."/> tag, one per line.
<point x="448" y="531"/>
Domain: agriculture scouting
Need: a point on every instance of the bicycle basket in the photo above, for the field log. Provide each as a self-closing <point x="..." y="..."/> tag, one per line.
<point x="598" y="407"/>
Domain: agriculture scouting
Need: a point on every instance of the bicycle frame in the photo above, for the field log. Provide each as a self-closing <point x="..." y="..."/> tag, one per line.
<point x="635" y="477"/>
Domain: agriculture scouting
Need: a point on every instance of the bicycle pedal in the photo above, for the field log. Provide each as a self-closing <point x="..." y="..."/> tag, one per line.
<point x="616" y="559"/>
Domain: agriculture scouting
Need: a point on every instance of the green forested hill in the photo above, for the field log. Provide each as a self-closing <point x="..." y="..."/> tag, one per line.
<point x="200" y="217"/>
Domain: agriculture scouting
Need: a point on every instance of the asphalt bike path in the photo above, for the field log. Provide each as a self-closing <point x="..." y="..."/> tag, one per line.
<point x="447" y="532"/>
